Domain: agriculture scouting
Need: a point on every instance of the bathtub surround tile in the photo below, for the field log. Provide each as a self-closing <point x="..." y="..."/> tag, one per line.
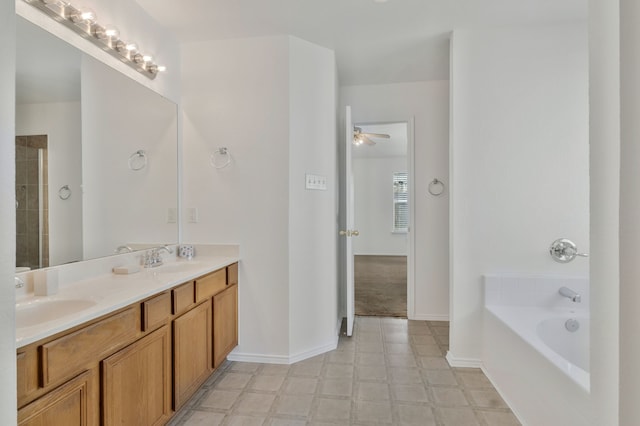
<point x="352" y="386"/>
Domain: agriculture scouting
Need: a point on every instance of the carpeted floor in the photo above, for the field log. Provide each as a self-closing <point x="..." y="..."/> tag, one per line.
<point x="381" y="286"/>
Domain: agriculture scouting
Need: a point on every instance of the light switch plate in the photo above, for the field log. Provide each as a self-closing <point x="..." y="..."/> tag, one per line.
<point x="172" y="215"/>
<point x="315" y="182"/>
<point x="192" y="215"/>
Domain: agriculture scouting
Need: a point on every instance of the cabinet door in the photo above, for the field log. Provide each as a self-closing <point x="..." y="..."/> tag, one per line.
<point x="74" y="403"/>
<point x="136" y="382"/>
<point x="225" y="324"/>
<point x="192" y="351"/>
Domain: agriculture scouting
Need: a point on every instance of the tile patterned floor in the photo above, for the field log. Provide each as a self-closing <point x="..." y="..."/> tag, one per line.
<point x="392" y="372"/>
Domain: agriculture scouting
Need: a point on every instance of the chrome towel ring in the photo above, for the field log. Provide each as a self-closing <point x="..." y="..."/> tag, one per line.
<point x="221" y="158"/>
<point x="436" y="187"/>
<point x="64" y="192"/>
<point x="138" y="160"/>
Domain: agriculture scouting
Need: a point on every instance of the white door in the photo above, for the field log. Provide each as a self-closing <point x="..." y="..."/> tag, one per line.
<point x="349" y="232"/>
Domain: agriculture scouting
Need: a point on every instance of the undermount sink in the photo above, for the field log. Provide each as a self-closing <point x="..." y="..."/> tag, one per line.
<point x="42" y="310"/>
<point x="174" y="267"/>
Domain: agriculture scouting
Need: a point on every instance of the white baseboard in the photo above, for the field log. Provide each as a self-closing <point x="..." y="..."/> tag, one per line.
<point x="381" y="254"/>
<point x="463" y="362"/>
<point x="504" y="397"/>
<point x="430" y="317"/>
<point x="283" y="359"/>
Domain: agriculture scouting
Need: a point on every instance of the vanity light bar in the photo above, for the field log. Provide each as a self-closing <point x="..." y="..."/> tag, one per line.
<point x="83" y="21"/>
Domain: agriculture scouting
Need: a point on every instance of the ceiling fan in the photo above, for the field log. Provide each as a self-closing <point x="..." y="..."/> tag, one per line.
<point x="360" y="137"/>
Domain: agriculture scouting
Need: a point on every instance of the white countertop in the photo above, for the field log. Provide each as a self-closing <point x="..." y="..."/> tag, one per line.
<point x="111" y="292"/>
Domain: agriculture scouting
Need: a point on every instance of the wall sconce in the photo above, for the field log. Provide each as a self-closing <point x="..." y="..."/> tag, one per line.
<point x="84" y="22"/>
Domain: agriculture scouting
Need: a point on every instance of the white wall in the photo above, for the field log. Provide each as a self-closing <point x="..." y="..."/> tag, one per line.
<point x="428" y="104"/>
<point x="60" y="121"/>
<point x="519" y="162"/>
<point x="270" y="101"/>
<point x="312" y="226"/>
<point x="373" y="183"/>
<point x="236" y="95"/>
<point x="120" y="206"/>
<point x="8" y="398"/>
<point x="629" y="337"/>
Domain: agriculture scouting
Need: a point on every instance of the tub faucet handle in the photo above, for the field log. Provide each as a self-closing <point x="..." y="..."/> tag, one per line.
<point x="564" y="251"/>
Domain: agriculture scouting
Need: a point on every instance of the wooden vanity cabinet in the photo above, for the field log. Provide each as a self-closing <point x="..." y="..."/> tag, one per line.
<point x="225" y="324"/>
<point x="127" y="367"/>
<point x="74" y="403"/>
<point x="136" y="382"/>
<point x="192" y="351"/>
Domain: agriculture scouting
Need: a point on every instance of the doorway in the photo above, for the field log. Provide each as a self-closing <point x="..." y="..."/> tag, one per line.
<point x="381" y="201"/>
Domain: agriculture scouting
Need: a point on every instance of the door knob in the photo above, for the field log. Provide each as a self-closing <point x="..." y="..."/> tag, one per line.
<point x="355" y="233"/>
<point x="347" y="233"/>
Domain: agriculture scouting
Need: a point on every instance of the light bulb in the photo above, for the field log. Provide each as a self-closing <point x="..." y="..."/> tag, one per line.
<point x="88" y="15"/>
<point x="131" y="47"/>
<point x="147" y="58"/>
<point x="111" y="31"/>
<point x="162" y="68"/>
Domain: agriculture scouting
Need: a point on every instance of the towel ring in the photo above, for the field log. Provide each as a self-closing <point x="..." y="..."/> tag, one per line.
<point x="436" y="187"/>
<point x="64" y="192"/>
<point x="138" y="160"/>
<point x="220" y="158"/>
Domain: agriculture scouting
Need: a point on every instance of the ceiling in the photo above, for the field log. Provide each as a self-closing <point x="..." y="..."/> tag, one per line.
<point x="375" y="41"/>
<point x="395" y="146"/>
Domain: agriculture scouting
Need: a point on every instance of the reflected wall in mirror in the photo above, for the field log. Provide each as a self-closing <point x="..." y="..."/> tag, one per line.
<point x="93" y="118"/>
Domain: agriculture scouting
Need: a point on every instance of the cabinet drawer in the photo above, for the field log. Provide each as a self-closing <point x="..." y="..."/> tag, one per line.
<point x="64" y="357"/>
<point x="156" y="311"/>
<point x="183" y="298"/>
<point x="232" y="274"/>
<point x="211" y="284"/>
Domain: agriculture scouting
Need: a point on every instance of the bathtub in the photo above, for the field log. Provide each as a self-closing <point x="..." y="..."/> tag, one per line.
<point x="540" y="368"/>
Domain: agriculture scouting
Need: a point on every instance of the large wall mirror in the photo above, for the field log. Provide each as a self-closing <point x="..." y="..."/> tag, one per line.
<point x="96" y="157"/>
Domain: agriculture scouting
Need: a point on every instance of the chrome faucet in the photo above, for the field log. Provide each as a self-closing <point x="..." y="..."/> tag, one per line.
<point x="123" y="249"/>
<point x="19" y="282"/>
<point x="570" y="294"/>
<point x="153" y="258"/>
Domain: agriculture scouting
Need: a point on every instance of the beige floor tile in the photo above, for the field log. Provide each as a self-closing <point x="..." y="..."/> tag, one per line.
<point x="220" y="399"/>
<point x="401" y="360"/>
<point x="236" y="420"/>
<point x="434" y="363"/>
<point x="204" y="418"/>
<point x="341" y="357"/>
<point x="440" y="331"/>
<point x="293" y="405"/>
<point x="275" y="369"/>
<point x="258" y="403"/>
<point x="398" y="348"/>
<point x="312" y="370"/>
<point x="428" y="350"/>
<point x="233" y="381"/>
<point x="332" y="409"/>
<point x="405" y="376"/>
<point x="336" y="387"/>
<point x="370" y="391"/>
<point x="266" y="383"/>
<point x="346" y="345"/>
<point x="371" y="359"/>
<point x="371" y="372"/>
<point x="396" y="337"/>
<point x="449" y="397"/>
<point x="244" y="367"/>
<point x="416" y="415"/>
<point x="370" y="347"/>
<point x="409" y="393"/>
<point x="342" y="371"/>
<point x="440" y="377"/>
<point x="497" y="418"/>
<point x="486" y="398"/>
<point x="423" y="340"/>
<point x="300" y="385"/>
<point x="368" y="337"/>
<point x="274" y="421"/>
<point x="373" y="412"/>
<point x="458" y="417"/>
<point x="472" y="378"/>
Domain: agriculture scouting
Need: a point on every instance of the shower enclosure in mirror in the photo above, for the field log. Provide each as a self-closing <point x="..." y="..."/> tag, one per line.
<point x="94" y="119"/>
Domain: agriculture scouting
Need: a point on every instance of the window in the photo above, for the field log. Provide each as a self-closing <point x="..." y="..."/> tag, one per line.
<point x="400" y="202"/>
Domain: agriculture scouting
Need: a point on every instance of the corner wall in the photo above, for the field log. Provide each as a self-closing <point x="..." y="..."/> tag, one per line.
<point x="519" y="162"/>
<point x="8" y="398"/>
<point x="428" y="104"/>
